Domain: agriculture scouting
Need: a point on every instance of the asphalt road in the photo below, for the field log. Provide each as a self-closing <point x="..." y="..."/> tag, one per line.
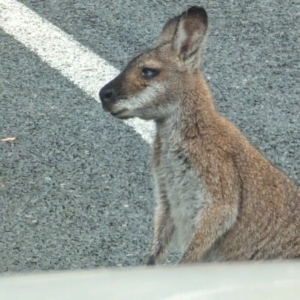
<point x="75" y="185"/>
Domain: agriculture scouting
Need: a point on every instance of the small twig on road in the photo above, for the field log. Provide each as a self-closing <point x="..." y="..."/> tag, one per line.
<point x="8" y="139"/>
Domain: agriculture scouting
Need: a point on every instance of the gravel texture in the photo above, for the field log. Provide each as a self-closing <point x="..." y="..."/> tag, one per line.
<point x="75" y="185"/>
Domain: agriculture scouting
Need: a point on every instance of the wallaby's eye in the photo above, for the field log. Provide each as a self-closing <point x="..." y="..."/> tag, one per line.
<point x="148" y="73"/>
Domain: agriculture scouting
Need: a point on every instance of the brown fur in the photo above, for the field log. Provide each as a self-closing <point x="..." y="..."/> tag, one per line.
<point x="242" y="182"/>
<point x="243" y="208"/>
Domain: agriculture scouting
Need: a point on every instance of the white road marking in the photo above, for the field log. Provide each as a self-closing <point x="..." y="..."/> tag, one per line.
<point x="74" y="61"/>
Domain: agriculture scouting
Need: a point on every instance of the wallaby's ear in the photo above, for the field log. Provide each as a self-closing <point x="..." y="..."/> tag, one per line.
<point x="189" y="35"/>
<point x="168" y="32"/>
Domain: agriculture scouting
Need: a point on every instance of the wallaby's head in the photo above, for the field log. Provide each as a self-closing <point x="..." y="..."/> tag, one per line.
<point x="151" y="85"/>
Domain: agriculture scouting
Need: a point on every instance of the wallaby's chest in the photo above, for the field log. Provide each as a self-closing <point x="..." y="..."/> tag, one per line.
<point x="185" y="192"/>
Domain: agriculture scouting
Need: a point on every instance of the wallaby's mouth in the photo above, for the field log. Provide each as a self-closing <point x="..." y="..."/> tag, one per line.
<point x="120" y="115"/>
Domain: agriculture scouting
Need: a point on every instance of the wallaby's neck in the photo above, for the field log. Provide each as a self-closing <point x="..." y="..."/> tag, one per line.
<point x="194" y="113"/>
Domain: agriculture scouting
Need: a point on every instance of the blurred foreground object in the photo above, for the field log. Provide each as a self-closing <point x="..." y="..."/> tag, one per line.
<point x="259" y="280"/>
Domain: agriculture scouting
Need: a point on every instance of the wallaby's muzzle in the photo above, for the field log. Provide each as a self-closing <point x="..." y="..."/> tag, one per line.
<point x="108" y="97"/>
<point x="110" y="94"/>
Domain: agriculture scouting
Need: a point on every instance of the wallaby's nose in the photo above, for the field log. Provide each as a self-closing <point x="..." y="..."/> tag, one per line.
<point x="107" y="94"/>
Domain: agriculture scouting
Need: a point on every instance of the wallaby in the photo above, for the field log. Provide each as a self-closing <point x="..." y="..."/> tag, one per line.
<point x="215" y="192"/>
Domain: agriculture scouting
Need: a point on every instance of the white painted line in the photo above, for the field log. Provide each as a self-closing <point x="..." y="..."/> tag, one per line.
<point x="74" y="61"/>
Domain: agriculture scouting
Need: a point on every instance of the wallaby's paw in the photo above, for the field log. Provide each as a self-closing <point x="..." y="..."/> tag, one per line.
<point x="151" y="261"/>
